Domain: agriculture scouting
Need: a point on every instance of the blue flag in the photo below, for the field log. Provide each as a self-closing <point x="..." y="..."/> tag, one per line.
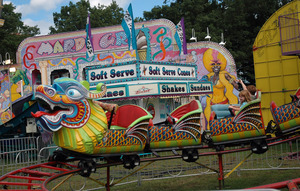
<point x="88" y="40"/>
<point x="128" y="26"/>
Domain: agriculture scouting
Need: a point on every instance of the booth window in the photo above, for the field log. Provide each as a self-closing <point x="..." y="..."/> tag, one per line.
<point x="36" y="77"/>
<point x="59" y="73"/>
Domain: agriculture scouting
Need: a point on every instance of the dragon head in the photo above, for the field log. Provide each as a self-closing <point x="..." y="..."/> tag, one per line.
<point x="66" y="103"/>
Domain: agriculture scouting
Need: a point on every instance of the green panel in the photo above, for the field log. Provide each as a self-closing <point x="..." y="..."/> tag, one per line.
<point x="66" y="137"/>
<point x="87" y="142"/>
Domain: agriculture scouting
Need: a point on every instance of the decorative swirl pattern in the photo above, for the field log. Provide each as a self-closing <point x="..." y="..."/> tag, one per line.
<point x="28" y="56"/>
<point x="105" y="58"/>
<point x="160" y="39"/>
<point x="77" y="67"/>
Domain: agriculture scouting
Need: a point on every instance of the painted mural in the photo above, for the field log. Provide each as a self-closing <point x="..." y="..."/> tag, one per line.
<point x="5" y="102"/>
<point x="14" y="87"/>
<point x="45" y="58"/>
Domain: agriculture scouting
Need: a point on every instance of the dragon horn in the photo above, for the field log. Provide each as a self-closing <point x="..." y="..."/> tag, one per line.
<point x="99" y="92"/>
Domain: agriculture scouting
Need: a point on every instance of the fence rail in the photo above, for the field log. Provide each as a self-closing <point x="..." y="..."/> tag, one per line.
<point x="21" y="152"/>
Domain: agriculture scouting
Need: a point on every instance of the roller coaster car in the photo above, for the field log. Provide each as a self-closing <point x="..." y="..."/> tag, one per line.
<point x="81" y="127"/>
<point x="246" y="127"/>
<point x="183" y="131"/>
<point x="286" y="117"/>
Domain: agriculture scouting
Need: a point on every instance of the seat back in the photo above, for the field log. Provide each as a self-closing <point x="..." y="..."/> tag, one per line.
<point x="128" y="115"/>
<point x="183" y="110"/>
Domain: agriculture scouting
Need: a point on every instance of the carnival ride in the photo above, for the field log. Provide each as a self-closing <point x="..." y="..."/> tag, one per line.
<point x="84" y="131"/>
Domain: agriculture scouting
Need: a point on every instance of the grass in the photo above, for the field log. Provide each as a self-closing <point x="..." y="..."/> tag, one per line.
<point x="247" y="179"/>
<point x="237" y="180"/>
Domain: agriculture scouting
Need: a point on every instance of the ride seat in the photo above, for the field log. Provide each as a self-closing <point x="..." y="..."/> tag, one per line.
<point x="221" y="110"/>
<point x="126" y="115"/>
<point x="183" y="111"/>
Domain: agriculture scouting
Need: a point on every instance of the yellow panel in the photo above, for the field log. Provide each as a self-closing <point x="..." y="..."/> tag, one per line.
<point x="259" y="56"/>
<point x="261" y="70"/>
<point x="265" y="100"/>
<point x="263" y="84"/>
<point x="278" y="98"/>
<point x="270" y="52"/>
<point x="275" y="68"/>
<point x="276" y="84"/>
<point x="290" y="65"/>
<point x="291" y="82"/>
<point x="267" y="116"/>
<point x="287" y="97"/>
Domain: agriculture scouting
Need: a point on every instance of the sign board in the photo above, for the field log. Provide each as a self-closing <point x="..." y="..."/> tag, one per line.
<point x="115" y="92"/>
<point x="173" y="88"/>
<point x="143" y="89"/>
<point x="167" y="71"/>
<point x="104" y="74"/>
<point x="200" y="87"/>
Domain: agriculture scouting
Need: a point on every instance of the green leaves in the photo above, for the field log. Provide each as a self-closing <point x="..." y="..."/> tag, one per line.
<point x="238" y="20"/>
<point x="73" y="17"/>
<point x="13" y="32"/>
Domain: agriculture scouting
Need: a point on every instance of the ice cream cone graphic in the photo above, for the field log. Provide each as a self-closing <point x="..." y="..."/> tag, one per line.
<point x="141" y="45"/>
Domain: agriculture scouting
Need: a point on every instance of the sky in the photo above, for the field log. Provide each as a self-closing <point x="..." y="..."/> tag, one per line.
<point x="40" y="12"/>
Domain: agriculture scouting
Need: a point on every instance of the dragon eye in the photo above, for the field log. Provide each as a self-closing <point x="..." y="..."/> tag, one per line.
<point x="73" y="93"/>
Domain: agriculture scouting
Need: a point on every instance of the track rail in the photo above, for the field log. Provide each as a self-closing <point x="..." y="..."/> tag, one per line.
<point x="37" y="177"/>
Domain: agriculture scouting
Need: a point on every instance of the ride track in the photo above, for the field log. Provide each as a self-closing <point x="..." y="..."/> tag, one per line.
<point x="39" y="173"/>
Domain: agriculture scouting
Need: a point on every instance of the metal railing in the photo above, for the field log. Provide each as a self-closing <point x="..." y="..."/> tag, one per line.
<point x="21" y="152"/>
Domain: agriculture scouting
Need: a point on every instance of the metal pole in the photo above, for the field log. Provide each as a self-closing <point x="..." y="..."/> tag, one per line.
<point x="107" y="179"/>
<point x="221" y="178"/>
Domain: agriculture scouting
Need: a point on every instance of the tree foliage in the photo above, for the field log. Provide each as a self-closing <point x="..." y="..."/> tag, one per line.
<point x="73" y="17"/>
<point x="13" y="32"/>
<point x="239" y="21"/>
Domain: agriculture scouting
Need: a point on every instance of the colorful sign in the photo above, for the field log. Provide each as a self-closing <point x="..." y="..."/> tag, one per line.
<point x="167" y="71"/>
<point x="96" y="74"/>
<point x="167" y="88"/>
<point x="204" y="87"/>
<point x="143" y="89"/>
<point x="115" y="92"/>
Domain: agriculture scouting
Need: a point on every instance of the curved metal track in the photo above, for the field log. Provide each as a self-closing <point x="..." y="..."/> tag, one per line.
<point x="37" y="177"/>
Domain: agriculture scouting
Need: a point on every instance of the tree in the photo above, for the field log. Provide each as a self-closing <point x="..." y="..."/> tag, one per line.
<point x="240" y="21"/>
<point x="13" y="32"/>
<point x="73" y="17"/>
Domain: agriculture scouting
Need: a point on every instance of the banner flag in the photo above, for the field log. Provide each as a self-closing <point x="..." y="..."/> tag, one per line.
<point x="128" y="26"/>
<point x="180" y="37"/>
<point x="88" y="40"/>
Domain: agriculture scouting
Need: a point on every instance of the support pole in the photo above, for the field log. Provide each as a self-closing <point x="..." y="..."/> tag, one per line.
<point x="221" y="175"/>
<point x="107" y="179"/>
